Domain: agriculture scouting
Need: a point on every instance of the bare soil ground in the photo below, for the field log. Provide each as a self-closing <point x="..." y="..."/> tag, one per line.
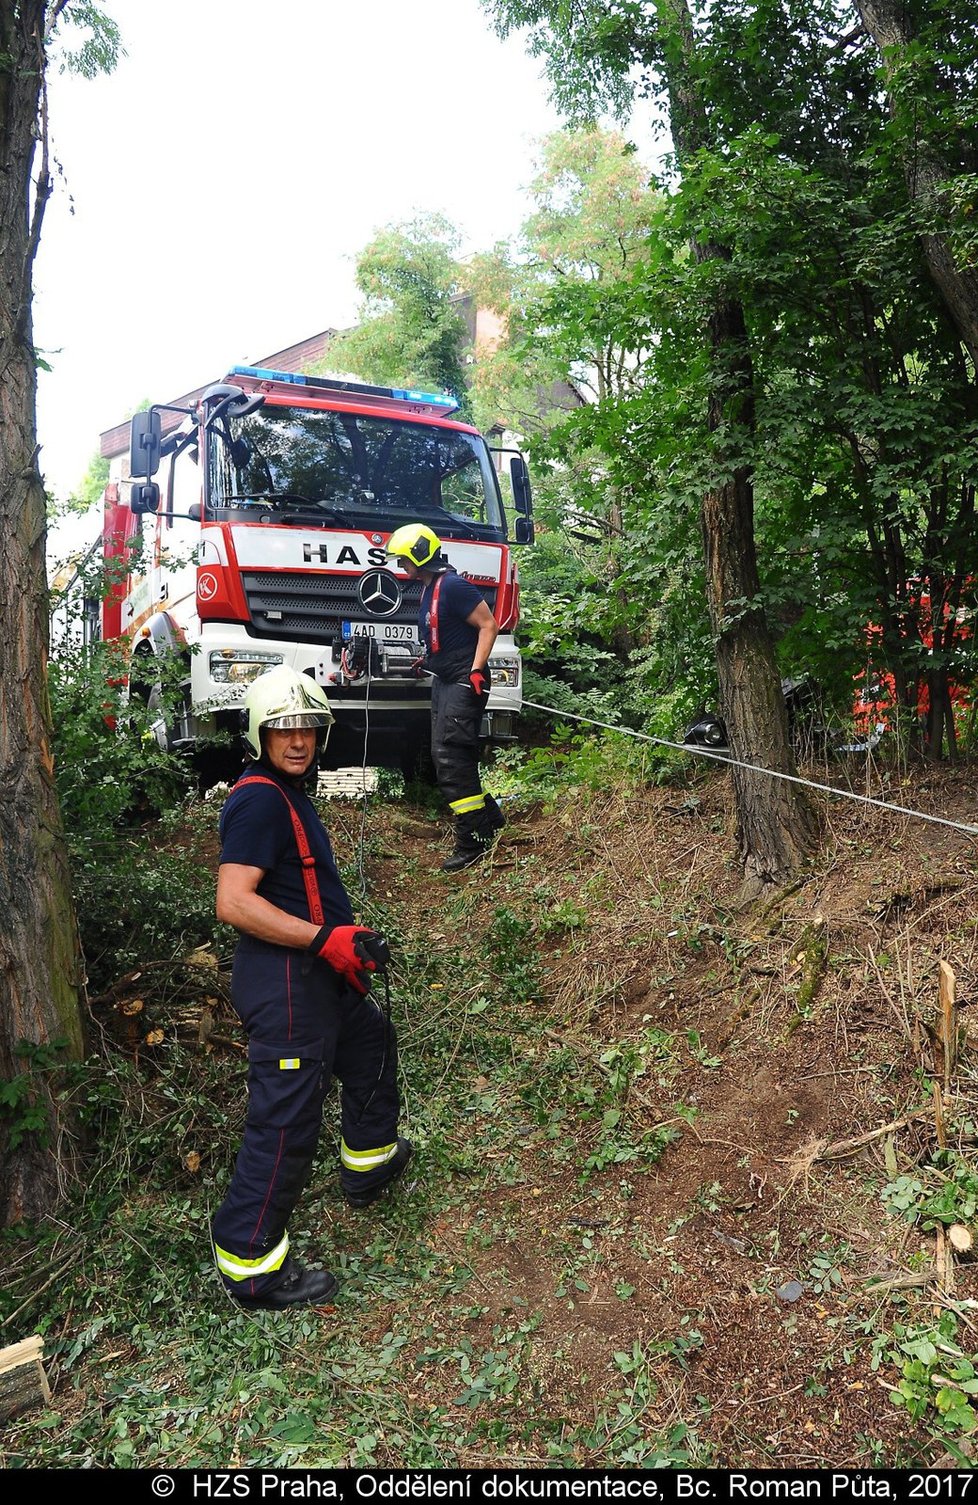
<point x="751" y="1261"/>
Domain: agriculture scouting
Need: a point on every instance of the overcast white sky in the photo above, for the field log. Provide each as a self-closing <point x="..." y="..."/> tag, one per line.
<point x="223" y="179"/>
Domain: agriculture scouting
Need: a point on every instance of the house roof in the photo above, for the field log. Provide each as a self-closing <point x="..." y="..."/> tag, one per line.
<point x="300" y="357"/>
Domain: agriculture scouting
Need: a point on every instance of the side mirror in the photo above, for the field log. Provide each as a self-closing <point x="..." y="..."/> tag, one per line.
<point x="520" y="477"/>
<point x="144" y="497"/>
<point x="223" y="398"/>
<point x="145" y="431"/>
<point x="522" y="499"/>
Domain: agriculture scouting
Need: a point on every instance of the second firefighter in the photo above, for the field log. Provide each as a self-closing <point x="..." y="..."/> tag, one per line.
<point x="457" y="632"/>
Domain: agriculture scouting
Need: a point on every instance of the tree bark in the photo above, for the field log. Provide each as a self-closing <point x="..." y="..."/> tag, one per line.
<point x="41" y="972"/>
<point x="926" y="169"/>
<point x="776" y="824"/>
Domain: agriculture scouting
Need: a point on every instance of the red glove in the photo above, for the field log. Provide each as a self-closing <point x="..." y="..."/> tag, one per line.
<point x="479" y="681"/>
<point x="340" y="945"/>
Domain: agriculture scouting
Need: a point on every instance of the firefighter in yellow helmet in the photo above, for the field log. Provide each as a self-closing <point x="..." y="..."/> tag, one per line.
<point x="301" y="985"/>
<point x="457" y="633"/>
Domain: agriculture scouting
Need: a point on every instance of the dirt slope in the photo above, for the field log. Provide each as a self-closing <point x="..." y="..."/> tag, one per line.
<point x="637" y="1230"/>
<point x="728" y="1266"/>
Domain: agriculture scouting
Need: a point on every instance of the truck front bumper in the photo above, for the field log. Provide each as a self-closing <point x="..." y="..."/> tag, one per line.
<point x="228" y="659"/>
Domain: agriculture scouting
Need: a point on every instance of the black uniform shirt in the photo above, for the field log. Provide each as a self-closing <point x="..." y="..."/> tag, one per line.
<point x="457" y="600"/>
<point x="256" y="831"/>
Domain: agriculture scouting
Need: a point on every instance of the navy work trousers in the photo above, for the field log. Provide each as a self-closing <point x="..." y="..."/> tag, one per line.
<point x="456" y="719"/>
<point x="304" y="1025"/>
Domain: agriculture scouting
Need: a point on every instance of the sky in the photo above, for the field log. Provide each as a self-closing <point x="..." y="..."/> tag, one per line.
<point x="213" y="192"/>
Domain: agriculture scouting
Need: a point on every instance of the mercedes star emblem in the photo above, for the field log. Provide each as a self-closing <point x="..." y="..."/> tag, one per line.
<point x="379" y="593"/>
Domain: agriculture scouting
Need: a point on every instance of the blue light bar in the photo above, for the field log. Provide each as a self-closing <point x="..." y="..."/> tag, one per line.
<point x="441" y="400"/>
<point x="261" y="373"/>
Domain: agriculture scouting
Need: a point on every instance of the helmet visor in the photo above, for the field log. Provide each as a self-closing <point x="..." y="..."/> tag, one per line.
<point x="300" y="720"/>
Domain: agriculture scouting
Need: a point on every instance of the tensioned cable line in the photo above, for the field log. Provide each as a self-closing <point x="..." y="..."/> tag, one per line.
<point x="364" y="798"/>
<point x="773" y="773"/>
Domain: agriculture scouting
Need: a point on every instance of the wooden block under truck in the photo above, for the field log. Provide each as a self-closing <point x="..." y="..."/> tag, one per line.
<point x="262" y="543"/>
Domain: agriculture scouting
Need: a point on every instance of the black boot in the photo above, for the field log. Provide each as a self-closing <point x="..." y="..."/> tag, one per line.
<point x="298" y="1287"/>
<point x="474" y="837"/>
<point x="467" y="850"/>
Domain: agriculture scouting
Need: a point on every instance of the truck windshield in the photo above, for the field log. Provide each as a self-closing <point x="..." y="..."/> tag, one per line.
<point x="339" y="465"/>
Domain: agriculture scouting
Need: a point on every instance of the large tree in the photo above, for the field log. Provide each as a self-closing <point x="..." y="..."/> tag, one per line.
<point x="594" y="203"/>
<point x="590" y="50"/>
<point x="41" y="970"/>
<point x="594" y="206"/>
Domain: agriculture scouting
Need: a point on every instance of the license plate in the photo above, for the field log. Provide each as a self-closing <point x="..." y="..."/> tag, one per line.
<point x="384" y="632"/>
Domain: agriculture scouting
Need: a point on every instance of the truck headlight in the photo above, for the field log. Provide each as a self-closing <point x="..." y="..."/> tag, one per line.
<point x="505" y="671"/>
<point x="230" y="667"/>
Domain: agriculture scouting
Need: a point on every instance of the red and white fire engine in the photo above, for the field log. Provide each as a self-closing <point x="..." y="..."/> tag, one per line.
<point x="264" y="544"/>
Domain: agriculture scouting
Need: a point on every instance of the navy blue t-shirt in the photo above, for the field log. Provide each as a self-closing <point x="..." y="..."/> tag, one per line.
<point x="457" y="599"/>
<point x="256" y="831"/>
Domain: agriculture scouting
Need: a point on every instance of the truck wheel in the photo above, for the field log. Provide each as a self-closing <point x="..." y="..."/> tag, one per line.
<point x="143" y="678"/>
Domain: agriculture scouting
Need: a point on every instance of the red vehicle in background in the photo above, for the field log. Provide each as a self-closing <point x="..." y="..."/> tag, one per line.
<point x="941" y="703"/>
<point x="940" y="700"/>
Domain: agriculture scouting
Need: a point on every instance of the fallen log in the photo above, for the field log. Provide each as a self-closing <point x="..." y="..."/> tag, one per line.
<point x="23" y="1383"/>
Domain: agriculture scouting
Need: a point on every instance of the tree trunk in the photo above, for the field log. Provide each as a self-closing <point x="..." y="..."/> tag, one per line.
<point x="926" y="170"/>
<point x="776" y="823"/>
<point x="40" y="959"/>
<point x="940" y="717"/>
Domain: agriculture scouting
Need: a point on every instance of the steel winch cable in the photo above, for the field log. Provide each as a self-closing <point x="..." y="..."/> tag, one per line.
<point x="773" y="773"/>
<point x="364" y="797"/>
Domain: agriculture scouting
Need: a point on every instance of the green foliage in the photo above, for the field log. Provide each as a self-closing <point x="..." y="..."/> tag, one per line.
<point x="583" y="760"/>
<point x="945" y="1192"/>
<point x="410" y="330"/>
<point x="137" y="905"/>
<point x="134" y="901"/>
<point x="93" y="482"/>
<point x="862" y="454"/>
<point x="621" y="1437"/>
<point x="99" y="48"/>
<point x="109" y="765"/>
<point x="509" y="951"/>
<point x="22" y="1113"/>
<point x="594" y="203"/>
<point x="938" y="1380"/>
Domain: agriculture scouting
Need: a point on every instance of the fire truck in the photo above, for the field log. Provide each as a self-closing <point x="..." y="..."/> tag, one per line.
<point x="252" y="533"/>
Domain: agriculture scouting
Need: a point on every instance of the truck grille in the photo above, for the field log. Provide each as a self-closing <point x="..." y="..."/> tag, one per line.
<point x="300" y="604"/>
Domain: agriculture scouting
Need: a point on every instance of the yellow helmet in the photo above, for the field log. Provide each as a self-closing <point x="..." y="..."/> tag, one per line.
<point x="415" y="542"/>
<point x="284" y="699"/>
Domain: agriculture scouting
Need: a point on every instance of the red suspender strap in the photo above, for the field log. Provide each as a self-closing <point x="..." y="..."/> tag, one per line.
<point x="433" y="615"/>
<point x="302" y="842"/>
